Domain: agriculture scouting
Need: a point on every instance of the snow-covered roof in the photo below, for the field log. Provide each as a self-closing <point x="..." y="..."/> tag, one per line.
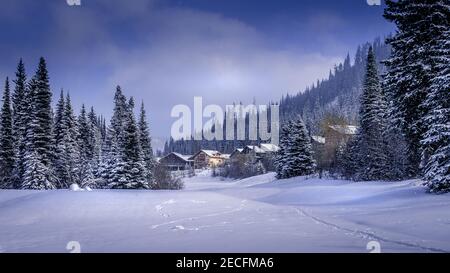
<point x="226" y="156"/>
<point x="211" y="153"/>
<point x="269" y="147"/>
<point x="318" y="139"/>
<point x="345" y="129"/>
<point x="184" y="157"/>
<point x="256" y="149"/>
<point x="237" y="151"/>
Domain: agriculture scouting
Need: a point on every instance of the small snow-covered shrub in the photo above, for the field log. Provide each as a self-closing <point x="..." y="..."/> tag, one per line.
<point x="75" y="187"/>
<point x="163" y="180"/>
<point x="242" y="166"/>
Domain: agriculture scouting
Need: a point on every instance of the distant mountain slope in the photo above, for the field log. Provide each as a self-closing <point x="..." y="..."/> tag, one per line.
<point x="338" y="94"/>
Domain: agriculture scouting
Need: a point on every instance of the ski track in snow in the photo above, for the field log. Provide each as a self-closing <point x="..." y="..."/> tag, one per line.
<point x="365" y="234"/>
<point x="199" y="217"/>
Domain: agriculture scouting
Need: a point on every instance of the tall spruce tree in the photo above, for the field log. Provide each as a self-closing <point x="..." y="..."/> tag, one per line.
<point x="146" y="144"/>
<point x="7" y="154"/>
<point x="134" y="165"/>
<point x="38" y="157"/>
<point x="280" y="158"/>
<point x="95" y="140"/>
<point x="371" y="153"/>
<point x="86" y="174"/>
<point x="436" y="141"/>
<point x="113" y="168"/>
<point x="296" y="158"/>
<point x="418" y="84"/>
<point x="409" y="70"/>
<point x="42" y="129"/>
<point x="70" y="140"/>
<point x="119" y="115"/>
<point x="20" y="116"/>
<point x="59" y="131"/>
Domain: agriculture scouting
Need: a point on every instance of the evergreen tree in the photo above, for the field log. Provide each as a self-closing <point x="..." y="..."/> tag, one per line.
<point x="134" y="165"/>
<point x="95" y="140"/>
<point x="436" y="142"/>
<point x="66" y="156"/>
<point x="42" y="123"/>
<point x="281" y="158"/>
<point x="119" y="116"/>
<point x="418" y="84"/>
<point x="7" y="154"/>
<point x="371" y="154"/>
<point x="113" y="168"/>
<point x="20" y="101"/>
<point x="37" y="175"/>
<point x="86" y="148"/>
<point x="408" y="75"/>
<point x="59" y="132"/>
<point x="296" y="158"/>
<point x="38" y="156"/>
<point x="146" y="144"/>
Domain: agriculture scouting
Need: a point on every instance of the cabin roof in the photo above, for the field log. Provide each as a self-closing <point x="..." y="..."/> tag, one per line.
<point x="269" y="147"/>
<point x="182" y="157"/>
<point x="345" y="129"/>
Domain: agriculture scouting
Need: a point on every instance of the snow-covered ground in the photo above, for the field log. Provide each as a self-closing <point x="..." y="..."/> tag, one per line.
<point x="258" y="214"/>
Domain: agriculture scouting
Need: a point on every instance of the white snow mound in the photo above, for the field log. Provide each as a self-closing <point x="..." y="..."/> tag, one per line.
<point x="75" y="187"/>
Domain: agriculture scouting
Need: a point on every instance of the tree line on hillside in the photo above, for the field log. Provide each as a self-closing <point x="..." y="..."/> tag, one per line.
<point x="337" y="95"/>
<point x="404" y="116"/>
<point x="43" y="149"/>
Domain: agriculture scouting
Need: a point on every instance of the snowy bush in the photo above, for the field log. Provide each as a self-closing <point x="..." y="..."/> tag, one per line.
<point x="75" y="187"/>
<point x="163" y="180"/>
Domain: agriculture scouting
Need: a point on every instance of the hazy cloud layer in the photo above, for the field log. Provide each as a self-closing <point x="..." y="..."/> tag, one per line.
<point x="166" y="54"/>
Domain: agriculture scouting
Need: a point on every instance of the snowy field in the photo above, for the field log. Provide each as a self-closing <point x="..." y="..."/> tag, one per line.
<point x="257" y="214"/>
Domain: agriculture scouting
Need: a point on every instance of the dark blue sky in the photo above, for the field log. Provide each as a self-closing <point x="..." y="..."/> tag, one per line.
<point x="166" y="52"/>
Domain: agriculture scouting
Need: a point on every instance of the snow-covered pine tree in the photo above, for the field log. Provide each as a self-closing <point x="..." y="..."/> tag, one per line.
<point x="59" y="149"/>
<point x="70" y="144"/>
<point x="297" y="157"/>
<point x="371" y="157"/>
<point x="42" y="131"/>
<point x="106" y="162"/>
<point x="280" y="158"/>
<point x="85" y="145"/>
<point x="396" y="147"/>
<point x="38" y="172"/>
<point x="20" y="117"/>
<point x="409" y="70"/>
<point x="436" y="142"/>
<point x="146" y="144"/>
<point x="347" y="160"/>
<point x="7" y="154"/>
<point x="95" y="139"/>
<point x="37" y="175"/>
<point x="134" y="165"/>
<point x="119" y="116"/>
<point x="113" y="167"/>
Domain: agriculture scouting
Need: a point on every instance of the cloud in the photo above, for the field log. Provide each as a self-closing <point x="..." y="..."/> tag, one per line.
<point x="166" y="55"/>
<point x="203" y="54"/>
